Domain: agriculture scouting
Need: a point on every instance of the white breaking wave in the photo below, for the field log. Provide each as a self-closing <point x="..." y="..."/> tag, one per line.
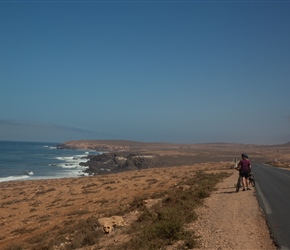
<point x="51" y="147"/>
<point x="40" y="161"/>
<point x="69" y="165"/>
<point x="72" y="162"/>
<point x="72" y="158"/>
<point x="14" y="178"/>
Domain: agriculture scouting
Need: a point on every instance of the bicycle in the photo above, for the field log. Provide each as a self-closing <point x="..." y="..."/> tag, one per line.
<point x="252" y="179"/>
<point x="239" y="183"/>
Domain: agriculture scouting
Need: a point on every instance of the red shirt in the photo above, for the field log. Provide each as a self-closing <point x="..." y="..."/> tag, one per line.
<point x="244" y="165"/>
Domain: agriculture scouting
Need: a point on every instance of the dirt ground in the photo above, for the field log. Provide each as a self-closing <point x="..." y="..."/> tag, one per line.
<point x="230" y="220"/>
<point x="37" y="211"/>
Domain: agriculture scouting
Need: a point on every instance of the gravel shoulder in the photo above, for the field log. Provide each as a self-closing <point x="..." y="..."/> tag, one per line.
<point x="230" y="220"/>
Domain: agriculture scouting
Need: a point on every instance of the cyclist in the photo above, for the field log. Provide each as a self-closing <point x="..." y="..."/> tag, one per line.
<point x="244" y="167"/>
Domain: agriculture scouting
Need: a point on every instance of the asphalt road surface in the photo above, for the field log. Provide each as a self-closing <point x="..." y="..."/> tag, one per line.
<point x="273" y="189"/>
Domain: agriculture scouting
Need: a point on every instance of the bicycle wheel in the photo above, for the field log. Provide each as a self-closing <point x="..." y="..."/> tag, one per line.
<point x="252" y="180"/>
<point x="238" y="186"/>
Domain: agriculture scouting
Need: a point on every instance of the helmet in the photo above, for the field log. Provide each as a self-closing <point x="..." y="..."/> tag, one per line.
<point x="245" y="156"/>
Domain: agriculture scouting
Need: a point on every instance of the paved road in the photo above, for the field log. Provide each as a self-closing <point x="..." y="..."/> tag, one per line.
<point x="273" y="188"/>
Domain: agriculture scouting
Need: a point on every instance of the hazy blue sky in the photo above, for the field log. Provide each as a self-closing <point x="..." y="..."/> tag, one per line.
<point x="170" y="71"/>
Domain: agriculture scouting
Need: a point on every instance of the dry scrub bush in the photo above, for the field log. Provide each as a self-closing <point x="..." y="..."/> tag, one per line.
<point x="74" y="234"/>
<point x="164" y="224"/>
<point x="15" y="247"/>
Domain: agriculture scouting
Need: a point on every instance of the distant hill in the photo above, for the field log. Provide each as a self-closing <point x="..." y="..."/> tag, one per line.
<point x="109" y="145"/>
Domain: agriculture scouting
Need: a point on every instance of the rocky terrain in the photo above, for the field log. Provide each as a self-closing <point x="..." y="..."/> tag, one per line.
<point x="129" y="155"/>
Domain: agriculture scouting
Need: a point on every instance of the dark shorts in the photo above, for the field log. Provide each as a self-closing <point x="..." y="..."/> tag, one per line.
<point x="245" y="174"/>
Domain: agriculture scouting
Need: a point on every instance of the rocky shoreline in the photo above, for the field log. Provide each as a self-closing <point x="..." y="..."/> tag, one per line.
<point x="120" y="156"/>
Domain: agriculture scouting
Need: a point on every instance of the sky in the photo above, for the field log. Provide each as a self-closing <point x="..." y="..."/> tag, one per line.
<point x="152" y="71"/>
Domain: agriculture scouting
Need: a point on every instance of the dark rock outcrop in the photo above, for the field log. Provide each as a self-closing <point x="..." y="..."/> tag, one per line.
<point x="117" y="162"/>
<point x="124" y="161"/>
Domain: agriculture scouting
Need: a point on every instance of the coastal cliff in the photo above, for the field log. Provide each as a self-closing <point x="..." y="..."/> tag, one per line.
<point x="94" y="145"/>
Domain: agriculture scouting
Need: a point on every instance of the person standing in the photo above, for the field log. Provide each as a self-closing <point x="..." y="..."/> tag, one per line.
<point x="244" y="167"/>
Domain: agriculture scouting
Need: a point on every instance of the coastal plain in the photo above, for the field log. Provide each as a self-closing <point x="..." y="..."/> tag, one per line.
<point x="46" y="214"/>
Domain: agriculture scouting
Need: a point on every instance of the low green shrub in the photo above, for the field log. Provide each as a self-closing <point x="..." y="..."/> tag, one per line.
<point x="164" y="225"/>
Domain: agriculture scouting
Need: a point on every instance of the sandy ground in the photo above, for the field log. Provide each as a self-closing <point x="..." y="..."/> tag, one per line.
<point x="34" y="213"/>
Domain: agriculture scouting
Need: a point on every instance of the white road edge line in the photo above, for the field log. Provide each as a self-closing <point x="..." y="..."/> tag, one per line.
<point x="264" y="200"/>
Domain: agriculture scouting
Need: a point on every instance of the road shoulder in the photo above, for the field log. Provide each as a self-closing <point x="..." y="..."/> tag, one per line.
<point x="230" y="220"/>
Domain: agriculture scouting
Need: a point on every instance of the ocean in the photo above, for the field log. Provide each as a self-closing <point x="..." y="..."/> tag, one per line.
<point x="39" y="160"/>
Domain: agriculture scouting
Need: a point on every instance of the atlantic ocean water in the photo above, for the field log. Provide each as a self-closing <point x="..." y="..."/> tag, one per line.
<point x="39" y="160"/>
